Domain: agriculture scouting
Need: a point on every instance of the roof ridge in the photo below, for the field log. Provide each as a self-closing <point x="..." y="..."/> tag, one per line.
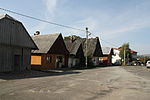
<point x="46" y="34"/>
<point x="5" y="15"/>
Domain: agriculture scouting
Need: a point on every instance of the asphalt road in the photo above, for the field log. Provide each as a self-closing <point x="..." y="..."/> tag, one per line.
<point x="109" y="83"/>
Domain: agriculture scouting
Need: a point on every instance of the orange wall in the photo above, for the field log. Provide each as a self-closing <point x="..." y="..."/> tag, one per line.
<point x="103" y="58"/>
<point x="36" y="60"/>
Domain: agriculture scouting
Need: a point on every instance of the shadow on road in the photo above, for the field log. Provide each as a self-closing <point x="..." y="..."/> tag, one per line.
<point x="35" y="74"/>
<point x="92" y="67"/>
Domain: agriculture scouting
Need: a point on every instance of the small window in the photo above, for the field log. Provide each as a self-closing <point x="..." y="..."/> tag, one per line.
<point x="49" y="58"/>
<point x="60" y="59"/>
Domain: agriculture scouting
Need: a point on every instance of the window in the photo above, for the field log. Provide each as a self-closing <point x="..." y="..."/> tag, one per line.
<point x="36" y="60"/>
<point x="60" y="59"/>
<point x="49" y="58"/>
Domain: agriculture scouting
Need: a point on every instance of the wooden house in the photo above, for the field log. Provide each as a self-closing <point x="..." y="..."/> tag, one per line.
<point x="52" y="52"/>
<point x="15" y="45"/>
<point x="76" y="57"/>
<point x="106" y="59"/>
<point x="94" y="50"/>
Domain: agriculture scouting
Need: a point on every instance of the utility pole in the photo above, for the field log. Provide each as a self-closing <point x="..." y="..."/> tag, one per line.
<point x="86" y="48"/>
<point x="124" y="56"/>
<point x="144" y="61"/>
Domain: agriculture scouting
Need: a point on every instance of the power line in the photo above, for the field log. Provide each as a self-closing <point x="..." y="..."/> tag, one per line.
<point x="109" y="43"/>
<point x="103" y="40"/>
<point x="53" y="23"/>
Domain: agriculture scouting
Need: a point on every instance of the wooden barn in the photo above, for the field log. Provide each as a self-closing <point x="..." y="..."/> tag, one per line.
<point x="15" y="45"/>
<point x="52" y="52"/>
<point x="76" y="57"/>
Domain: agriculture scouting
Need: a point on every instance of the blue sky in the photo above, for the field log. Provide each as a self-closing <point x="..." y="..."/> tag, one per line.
<point x="115" y="21"/>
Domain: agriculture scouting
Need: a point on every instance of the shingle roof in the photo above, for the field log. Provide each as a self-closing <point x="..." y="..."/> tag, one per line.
<point x="106" y="50"/>
<point x="72" y="46"/>
<point x="93" y="47"/>
<point x="44" y="42"/>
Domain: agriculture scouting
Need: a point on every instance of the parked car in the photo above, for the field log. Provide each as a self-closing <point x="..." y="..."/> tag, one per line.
<point x="148" y="64"/>
<point x="136" y="63"/>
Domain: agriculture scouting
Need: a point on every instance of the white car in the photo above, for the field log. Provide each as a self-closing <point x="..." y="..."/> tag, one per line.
<point x="148" y="64"/>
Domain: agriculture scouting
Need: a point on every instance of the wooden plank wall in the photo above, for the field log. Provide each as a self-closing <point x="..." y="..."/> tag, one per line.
<point x="5" y="58"/>
<point x="14" y="33"/>
<point x="14" y="40"/>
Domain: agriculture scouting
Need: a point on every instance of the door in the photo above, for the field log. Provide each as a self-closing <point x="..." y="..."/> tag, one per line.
<point x="17" y="63"/>
<point x="59" y="61"/>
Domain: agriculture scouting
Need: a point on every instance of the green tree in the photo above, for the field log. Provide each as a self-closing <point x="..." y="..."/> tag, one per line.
<point x="72" y="37"/>
<point x="144" y="59"/>
<point x="125" y="51"/>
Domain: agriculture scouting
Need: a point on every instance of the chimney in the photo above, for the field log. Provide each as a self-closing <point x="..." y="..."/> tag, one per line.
<point x="37" y="33"/>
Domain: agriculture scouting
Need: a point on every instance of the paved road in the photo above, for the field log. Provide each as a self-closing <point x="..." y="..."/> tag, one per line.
<point x="109" y="83"/>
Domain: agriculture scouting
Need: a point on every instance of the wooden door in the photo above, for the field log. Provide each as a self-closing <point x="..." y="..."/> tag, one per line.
<point x="17" y="63"/>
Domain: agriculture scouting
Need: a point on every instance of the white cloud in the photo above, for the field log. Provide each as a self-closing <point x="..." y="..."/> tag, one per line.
<point x="112" y="26"/>
<point x="39" y="27"/>
<point x="48" y="14"/>
<point x="51" y="6"/>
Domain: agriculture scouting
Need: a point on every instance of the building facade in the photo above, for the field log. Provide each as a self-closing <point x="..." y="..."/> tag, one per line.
<point x="116" y="59"/>
<point x="52" y="52"/>
<point x="76" y="57"/>
<point x="15" y="45"/>
<point x="94" y="50"/>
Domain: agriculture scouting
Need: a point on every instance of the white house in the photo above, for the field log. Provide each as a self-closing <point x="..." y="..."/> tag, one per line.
<point x="116" y="58"/>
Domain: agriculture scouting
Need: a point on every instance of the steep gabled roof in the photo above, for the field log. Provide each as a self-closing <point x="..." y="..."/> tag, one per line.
<point x="73" y="46"/>
<point x="93" y="47"/>
<point x="18" y="36"/>
<point x="44" y="42"/>
<point x="106" y="50"/>
<point x="7" y="16"/>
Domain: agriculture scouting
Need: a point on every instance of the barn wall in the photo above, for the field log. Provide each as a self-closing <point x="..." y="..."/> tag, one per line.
<point x="14" y="33"/>
<point x="26" y="59"/>
<point x="7" y="58"/>
<point x="14" y="43"/>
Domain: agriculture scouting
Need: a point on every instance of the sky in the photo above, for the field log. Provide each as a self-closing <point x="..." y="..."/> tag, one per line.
<point x="114" y="21"/>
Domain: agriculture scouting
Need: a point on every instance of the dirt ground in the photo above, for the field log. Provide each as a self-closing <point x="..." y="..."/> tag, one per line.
<point x="109" y="83"/>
